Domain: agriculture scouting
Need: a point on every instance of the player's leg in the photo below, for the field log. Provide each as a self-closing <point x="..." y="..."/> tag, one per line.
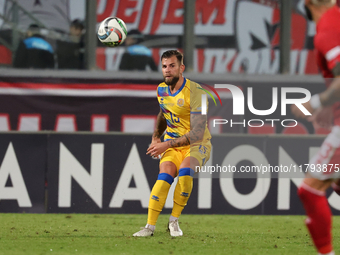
<point x="319" y="216"/>
<point x="159" y="192"/>
<point x="196" y="156"/>
<point x="312" y="192"/>
<point x="333" y="142"/>
<point x="182" y="193"/>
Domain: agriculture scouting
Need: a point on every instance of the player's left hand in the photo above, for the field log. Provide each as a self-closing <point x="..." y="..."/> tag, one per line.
<point x="157" y="149"/>
<point x="298" y="113"/>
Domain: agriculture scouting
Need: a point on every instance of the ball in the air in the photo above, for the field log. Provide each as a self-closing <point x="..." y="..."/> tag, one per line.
<point x="112" y="31"/>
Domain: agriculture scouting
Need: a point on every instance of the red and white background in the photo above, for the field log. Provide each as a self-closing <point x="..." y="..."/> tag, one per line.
<point x="231" y="35"/>
<point x="130" y="106"/>
<point x="239" y="36"/>
<point x="71" y="107"/>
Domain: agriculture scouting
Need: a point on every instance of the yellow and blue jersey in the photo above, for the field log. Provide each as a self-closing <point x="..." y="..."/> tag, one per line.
<point x="178" y="106"/>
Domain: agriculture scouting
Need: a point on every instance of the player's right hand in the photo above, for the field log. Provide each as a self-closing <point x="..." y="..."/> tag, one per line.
<point x="157" y="149"/>
<point x="154" y="141"/>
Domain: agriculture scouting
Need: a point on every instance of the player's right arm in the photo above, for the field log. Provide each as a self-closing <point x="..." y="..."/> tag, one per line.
<point x="160" y="128"/>
<point x="328" y="44"/>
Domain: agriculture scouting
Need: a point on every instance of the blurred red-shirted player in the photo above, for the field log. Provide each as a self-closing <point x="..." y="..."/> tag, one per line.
<point x="326" y="15"/>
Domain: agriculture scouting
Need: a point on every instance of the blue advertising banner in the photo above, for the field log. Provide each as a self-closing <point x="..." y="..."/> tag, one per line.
<point x="111" y="173"/>
<point x="22" y="172"/>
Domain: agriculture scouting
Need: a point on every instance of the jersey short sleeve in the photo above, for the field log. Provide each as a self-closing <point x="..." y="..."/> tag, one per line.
<point x="196" y="99"/>
<point x="328" y="44"/>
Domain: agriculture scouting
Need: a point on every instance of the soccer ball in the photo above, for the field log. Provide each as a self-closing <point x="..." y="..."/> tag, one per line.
<point x="112" y="31"/>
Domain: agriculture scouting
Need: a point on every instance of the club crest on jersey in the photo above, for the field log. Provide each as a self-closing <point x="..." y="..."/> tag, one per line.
<point x="180" y="102"/>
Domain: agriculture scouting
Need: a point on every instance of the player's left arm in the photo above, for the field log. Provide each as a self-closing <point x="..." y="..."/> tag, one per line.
<point x="327" y="97"/>
<point x="198" y="123"/>
<point x="327" y="44"/>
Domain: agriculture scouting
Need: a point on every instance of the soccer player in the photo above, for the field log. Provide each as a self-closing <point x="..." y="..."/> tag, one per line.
<point x="186" y="141"/>
<point x="312" y="191"/>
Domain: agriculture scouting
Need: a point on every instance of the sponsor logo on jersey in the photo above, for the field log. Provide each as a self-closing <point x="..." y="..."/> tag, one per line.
<point x="169" y="104"/>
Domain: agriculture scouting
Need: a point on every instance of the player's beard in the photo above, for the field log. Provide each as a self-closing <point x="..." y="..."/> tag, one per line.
<point x="171" y="81"/>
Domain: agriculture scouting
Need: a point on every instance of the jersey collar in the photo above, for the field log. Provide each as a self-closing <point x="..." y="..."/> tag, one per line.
<point x="180" y="89"/>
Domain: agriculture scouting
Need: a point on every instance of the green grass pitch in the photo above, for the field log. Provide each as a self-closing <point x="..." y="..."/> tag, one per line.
<point x="112" y="234"/>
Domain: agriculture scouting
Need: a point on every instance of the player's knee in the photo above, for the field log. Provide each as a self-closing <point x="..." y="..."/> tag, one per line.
<point x="186" y="171"/>
<point x="168" y="167"/>
<point x="185" y="178"/>
<point x="300" y="193"/>
<point x="304" y="193"/>
<point x="160" y="191"/>
<point x="162" y="186"/>
<point x="165" y="177"/>
<point x="336" y="188"/>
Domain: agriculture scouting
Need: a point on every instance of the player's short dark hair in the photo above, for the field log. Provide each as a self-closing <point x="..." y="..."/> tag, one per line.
<point x="170" y="53"/>
<point x="77" y="24"/>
